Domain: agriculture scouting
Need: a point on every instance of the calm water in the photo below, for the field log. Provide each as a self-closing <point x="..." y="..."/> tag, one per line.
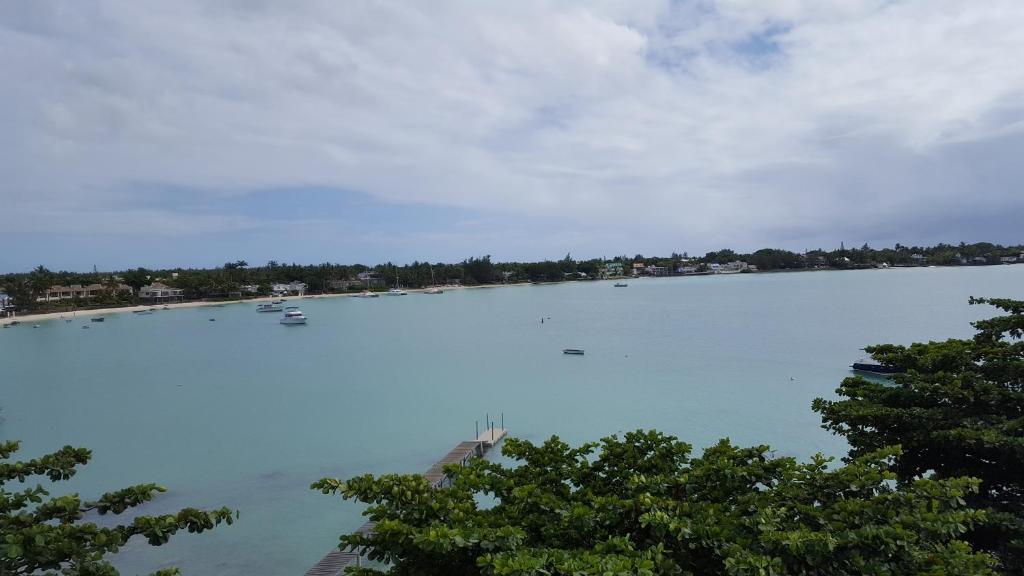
<point x="246" y="413"/>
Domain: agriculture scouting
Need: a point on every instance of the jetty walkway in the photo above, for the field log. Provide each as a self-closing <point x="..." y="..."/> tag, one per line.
<point x="335" y="562"/>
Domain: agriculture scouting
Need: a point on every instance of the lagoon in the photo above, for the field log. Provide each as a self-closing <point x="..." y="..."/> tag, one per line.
<point x="246" y="413"/>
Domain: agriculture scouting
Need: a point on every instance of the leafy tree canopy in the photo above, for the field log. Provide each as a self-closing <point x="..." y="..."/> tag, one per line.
<point x="642" y="505"/>
<point x="958" y="410"/>
<point x="40" y="534"/>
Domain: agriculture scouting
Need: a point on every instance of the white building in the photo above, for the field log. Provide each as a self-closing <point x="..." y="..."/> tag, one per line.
<point x="293" y="287"/>
<point x="159" y="292"/>
<point x="612" y="270"/>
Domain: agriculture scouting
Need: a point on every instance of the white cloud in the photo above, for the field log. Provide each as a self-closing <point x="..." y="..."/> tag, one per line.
<point x="700" y="124"/>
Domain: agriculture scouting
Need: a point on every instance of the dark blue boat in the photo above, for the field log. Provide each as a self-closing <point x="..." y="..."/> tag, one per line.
<point x="871" y="366"/>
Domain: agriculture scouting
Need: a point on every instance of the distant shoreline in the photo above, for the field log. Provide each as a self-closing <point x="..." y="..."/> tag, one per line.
<point x="45" y="316"/>
<point x="32" y="318"/>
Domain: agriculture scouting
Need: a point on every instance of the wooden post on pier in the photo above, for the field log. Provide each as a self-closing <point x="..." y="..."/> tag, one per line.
<point x="335" y="562"/>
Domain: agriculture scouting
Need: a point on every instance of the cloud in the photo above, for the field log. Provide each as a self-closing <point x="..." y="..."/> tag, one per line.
<point x="678" y="124"/>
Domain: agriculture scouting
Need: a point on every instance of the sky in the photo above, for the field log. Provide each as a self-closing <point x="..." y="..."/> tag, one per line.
<point x="191" y="133"/>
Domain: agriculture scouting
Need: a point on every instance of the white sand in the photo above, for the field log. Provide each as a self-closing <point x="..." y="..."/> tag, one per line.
<point x="32" y="318"/>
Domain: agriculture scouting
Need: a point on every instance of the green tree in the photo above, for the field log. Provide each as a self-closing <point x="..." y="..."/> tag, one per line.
<point x="40" y="280"/>
<point x="479" y="270"/>
<point x="43" y="534"/>
<point x="19" y="290"/>
<point x="642" y="505"/>
<point x="958" y="410"/>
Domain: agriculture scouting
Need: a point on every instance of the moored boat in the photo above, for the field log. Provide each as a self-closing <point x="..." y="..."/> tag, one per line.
<point x="433" y="290"/>
<point x="872" y="366"/>
<point x="270" y="307"/>
<point x="97" y="319"/>
<point x="573" y="351"/>
<point x="367" y="294"/>
<point x="621" y="285"/>
<point x="292" y="315"/>
<point x="396" y="292"/>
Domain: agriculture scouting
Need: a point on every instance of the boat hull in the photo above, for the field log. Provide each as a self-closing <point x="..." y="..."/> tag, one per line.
<point x="874" y="369"/>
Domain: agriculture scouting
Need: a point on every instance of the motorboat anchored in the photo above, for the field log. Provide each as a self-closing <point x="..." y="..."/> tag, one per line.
<point x="396" y="292"/>
<point x="433" y="290"/>
<point x="573" y="351"/>
<point x="621" y="285"/>
<point x="871" y="366"/>
<point x="367" y="294"/>
<point x="270" y="307"/>
<point x="292" y="315"/>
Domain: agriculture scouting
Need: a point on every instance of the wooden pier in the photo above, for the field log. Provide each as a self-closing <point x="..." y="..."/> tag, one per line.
<point x="335" y="562"/>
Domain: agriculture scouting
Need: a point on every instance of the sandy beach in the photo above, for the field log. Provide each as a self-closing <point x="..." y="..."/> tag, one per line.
<point x="34" y="318"/>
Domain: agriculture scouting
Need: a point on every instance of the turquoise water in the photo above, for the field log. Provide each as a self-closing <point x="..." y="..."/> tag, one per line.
<point x="244" y="412"/>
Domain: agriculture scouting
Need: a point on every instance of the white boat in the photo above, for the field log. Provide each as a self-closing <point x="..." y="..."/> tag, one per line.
<point x="397" y="292"/>
<point x="367" y="294"/>
<point x="292" y="315"/>
<point x="270" y="307"/>
<point x="433" y="284"/>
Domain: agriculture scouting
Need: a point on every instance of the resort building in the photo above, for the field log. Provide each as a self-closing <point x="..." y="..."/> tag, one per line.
<point x="159" y="292"/>
<point x="58" y="293"/>
<point x="731" y="267"/>
<point x="370" y="279"/>
<point x="653" y="270"/>
<point x="293" y="287"/>
<point x="612" y="270"/>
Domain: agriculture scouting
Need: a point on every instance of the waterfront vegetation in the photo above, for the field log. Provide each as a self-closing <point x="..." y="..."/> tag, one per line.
<point x="238" y="279"/>
<point x="932" y="485"/>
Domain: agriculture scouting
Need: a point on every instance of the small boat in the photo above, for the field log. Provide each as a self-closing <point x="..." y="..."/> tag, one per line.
<point x="292" y="315"/>
<point x="142" y="312"/>
<point x="433" y="284"/>
<point x="621" y="285"/>
<point x="573" y="351"/>
<point x="396" y="292"/>
<point x="367" y="294"/>
<point x="167" y="308"/>
<point x="873" y="367"/>
<point x="86" y="327"/>
<point x="98" y="319"/>
<point x="270" y="307"/>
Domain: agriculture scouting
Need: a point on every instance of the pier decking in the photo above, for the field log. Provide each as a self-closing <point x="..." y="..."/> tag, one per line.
<point x="335" y="562"/>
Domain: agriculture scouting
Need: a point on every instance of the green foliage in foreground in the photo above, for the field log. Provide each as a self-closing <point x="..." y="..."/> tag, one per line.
<point x="957" y="411"/>
<point x="641" y="505"/>
<point x="40" y="534"/>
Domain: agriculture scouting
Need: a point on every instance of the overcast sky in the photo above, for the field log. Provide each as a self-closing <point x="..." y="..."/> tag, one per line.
<point x="194" y="132"/>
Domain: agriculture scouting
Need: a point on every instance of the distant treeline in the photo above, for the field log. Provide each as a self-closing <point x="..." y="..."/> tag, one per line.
<point x="229" y="279"/>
